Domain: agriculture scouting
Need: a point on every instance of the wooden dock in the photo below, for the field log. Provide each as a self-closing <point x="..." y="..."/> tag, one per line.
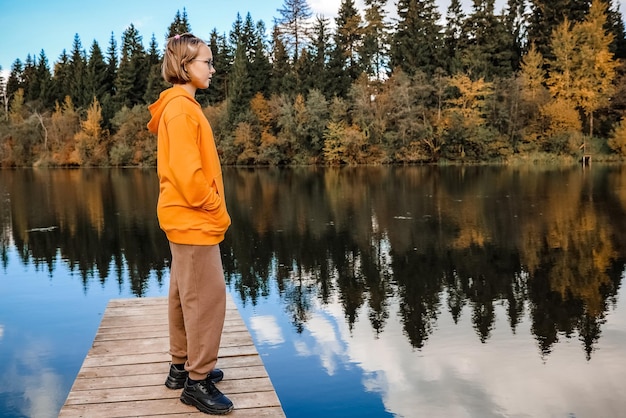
<point x="124" y="372"/>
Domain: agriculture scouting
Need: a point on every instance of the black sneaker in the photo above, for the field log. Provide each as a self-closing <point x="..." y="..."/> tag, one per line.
<point x="206" y="397"/>
<point x="176" y="378"/>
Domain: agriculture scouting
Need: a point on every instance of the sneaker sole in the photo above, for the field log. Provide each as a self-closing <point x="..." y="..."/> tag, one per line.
<point x="174" y="384"/>
<point x="188" y="400"/>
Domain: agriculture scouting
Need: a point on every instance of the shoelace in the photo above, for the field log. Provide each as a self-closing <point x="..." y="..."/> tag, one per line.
<point x="209" y="388"/>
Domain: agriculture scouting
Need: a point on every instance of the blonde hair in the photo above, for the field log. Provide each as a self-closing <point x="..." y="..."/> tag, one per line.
<point x="179" y="51"/>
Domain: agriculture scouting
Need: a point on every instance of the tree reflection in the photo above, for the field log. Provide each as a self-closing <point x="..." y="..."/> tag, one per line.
<point x="433" y="241"/>
<point x="436" y="239"/>
<point x="93" y="220"/>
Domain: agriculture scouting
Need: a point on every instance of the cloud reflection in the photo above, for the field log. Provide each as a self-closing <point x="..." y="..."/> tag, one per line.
<point x="42" y="393"/>
<point x="39" y="389"/>
<point x="328" y="345"/>
<point x="266" y="329"/>
<point x="456" y="375"/>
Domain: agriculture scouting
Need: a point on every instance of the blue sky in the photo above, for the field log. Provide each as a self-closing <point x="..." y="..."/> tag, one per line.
<point x="28" y="26"/>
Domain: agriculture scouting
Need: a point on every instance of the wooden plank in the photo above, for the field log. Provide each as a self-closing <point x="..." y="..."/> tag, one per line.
<point x="161" y="408"/>
<point x="124" y="372"/>
<point x="155" y="378"/>
<point x="128" y="392"/>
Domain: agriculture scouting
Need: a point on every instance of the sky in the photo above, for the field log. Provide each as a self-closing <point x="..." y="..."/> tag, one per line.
<point x="29" y="26"/>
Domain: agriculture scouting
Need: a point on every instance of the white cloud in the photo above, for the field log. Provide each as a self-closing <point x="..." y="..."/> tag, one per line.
<point x="326" y="8"/>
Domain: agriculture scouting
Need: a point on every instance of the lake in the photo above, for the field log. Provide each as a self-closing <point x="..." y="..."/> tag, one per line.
<point x="369" y="292"/>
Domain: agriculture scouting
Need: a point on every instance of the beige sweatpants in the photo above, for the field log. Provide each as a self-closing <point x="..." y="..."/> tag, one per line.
<point x="196" y="307"/>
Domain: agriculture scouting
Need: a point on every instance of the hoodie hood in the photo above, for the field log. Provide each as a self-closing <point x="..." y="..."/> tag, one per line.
<point x="157" y="108"/>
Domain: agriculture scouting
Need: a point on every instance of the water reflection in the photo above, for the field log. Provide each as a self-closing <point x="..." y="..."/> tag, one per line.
<point x="543" y="244"/>
<point x="101" y="222"/>
<point x="451" y="291"/>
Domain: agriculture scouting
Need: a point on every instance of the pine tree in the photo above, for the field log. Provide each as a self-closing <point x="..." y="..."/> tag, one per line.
<point x="29" y="77"/>
<point x="344" y="62"/>
<point x="61" y="78"/>
<point x="96" y="73"/>
<point x="516" y="21"/>
<point x="15" y="80"/>
<point x="131" y="79"/>
<point x="44" y="79"/>
<point x="153" y="56"/>
<point x="283" y="78"/>
<point x="546" y="15"/>
<point x="77" y="66"/>
<point x="107" y="101"/>
<point x="487" y="51"/>
<point x="260" y="66"/>
<point x="339" y="81"/>
<point x="418" y="40"/>
<point x="349" y="37"/>
<point x="155" y="83"/>
<point x="240" y="92"/>
<point x="293" y="27"/>
<point x="4" y="100"/>
<point x="222" y="63"/>
<point x="319" y="54"/>
<point x="248" y="37"/>
<point x="453" y="36"/>
<point x="374" y="51"/>
<point x="112" y="62"/>
<point x="304" y="70"/>
<point x="180" y="24"/>
<point x="242" y="80"/>
<point x="615" y="25"/>
<point x="236" y="34"/>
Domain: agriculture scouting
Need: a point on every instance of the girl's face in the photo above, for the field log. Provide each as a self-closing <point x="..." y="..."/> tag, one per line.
<point x="200" y="69"/>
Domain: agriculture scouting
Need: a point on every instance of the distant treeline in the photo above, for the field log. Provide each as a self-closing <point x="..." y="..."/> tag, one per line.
<point x="541" y="79"/>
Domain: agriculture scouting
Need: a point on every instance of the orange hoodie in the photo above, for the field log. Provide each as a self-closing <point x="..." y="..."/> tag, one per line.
<point x="191" y="207"/>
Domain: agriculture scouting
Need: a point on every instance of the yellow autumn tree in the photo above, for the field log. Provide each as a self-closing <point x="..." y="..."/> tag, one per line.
<point x="244" y="141"/>
<point x="465" y="117"/>
<point x="334" y="148"/>
<point x="596" y="72"/>
<point x="534" y="94"/>
<point x="261" y="110"/>
<point x="562" y="67"/>
<point x="17" y="107"/>
<point x="617" y="141"/>
<point x="90" y="141"/>
<point x="583" y="68"/>
<point x="533" y="76"/>
<point x="560" y="115"/>
<point x="64" y="124"/>
<point x="471" y="98"/>
<point x="561" y="125"/>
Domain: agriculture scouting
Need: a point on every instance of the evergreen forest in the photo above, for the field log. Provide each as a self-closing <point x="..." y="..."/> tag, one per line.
<point x="538" y="81"/>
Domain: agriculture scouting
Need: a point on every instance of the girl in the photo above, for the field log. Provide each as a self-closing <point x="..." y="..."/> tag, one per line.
<point x="192" y="212"/>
